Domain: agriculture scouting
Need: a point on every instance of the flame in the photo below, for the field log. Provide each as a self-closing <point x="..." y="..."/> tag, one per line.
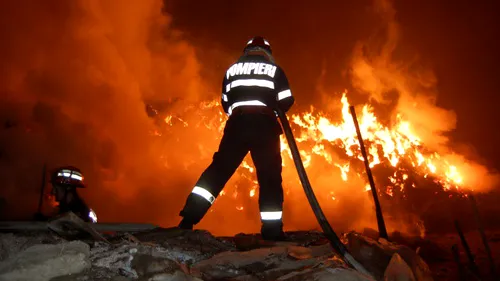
<point x="385" y="144"/>
<point x="395" y="145"/>
<point x="252" y="191"/>
<point x="51" y="200"/>
<point x="330" y="151"/>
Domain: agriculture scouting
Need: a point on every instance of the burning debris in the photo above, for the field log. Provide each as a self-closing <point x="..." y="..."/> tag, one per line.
<point x="403" y="166"/>
<point x="93" y="80"/>
<point x="80" y="99"/>
<point x="336" y="143"/>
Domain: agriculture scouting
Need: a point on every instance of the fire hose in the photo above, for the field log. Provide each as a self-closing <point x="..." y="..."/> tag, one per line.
<point x="330" y="234"/>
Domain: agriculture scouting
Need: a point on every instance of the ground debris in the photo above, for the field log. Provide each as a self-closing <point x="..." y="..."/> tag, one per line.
<point x="398" y="270"/>
<point x="376" y="256"/>
<point x="325" y="274"/>
<point x="70" y="226"/>
<point x="43" y="262"/>
<point x="245" y="242"/>
<point x="13" y="243"/>
<point x="172" y="254"/>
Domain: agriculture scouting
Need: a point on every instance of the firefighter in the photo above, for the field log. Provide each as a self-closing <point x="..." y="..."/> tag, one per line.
<point x="65" y="182"/>
<point x="252" y="87"/>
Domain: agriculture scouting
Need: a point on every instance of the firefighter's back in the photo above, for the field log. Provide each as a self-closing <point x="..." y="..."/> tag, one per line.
<point x="255" y="83"/>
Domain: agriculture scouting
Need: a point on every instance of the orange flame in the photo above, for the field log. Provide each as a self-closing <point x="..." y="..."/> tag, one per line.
<point x="330" y="151"/>
<point x="391" y="145"/>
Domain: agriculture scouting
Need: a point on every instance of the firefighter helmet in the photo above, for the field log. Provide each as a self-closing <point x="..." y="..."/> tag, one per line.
<point x="258" y="42"/>
<point x="68" y="176"/>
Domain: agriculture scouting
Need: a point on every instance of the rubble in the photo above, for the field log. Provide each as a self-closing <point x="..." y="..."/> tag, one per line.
<point x="11" y="243"/>
<point x="175" y="254"/>
<point x="70" y="225"/>
<point x="44" y="262"/>
<point x="398" y="270"/>
<point x="376" y="256"/>
<point x="258" y="264"/>
<point x="326" y="274"/>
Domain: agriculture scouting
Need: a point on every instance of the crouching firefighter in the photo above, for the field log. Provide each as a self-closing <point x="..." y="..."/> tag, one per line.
<point x="65" y="182"/>
<point x="251" y="88"/>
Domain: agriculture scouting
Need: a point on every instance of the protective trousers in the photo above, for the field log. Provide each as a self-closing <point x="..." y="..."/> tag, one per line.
<point x="258" y="134"/>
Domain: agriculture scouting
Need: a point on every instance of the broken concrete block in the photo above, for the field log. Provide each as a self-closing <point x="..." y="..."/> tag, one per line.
<point x="233" y="264"/>
<point x="419" y="267"/>
<point x="44" y="262"/>
<point x="300" y="253"/>
<point x="147" y="265"/>
<point x="398" y="270"/>
<point x="342" y="274"/>
<point x="117" y="259"/>
<point x="259" y="264"/>
<point x="11" y="244"/>
<point x="326" y="274"/>
<point x="375" y="256"/>
<point x="175" y="276"/>
<point x="185" y="246"/>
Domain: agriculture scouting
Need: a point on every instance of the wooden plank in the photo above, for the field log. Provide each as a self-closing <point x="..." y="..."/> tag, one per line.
<point x="69" y="224"/>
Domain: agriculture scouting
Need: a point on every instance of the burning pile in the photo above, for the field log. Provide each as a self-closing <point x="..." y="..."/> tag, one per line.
<point x="394" y="145"/>
<point x="409" y="153"/>
<point x="330" y="151"/>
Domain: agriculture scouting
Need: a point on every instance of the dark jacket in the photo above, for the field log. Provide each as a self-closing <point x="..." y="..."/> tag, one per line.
<point x="255" y="81"/>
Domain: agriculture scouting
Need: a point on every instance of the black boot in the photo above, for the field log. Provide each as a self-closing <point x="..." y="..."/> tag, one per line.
<point x="273" y="231"/>
<point x="195" y="209"/>
<point x="186" y="224"/>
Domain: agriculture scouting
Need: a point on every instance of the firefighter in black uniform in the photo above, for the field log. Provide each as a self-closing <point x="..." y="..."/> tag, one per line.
<point x="65" y="181"/>
<point x="251" y="88"/>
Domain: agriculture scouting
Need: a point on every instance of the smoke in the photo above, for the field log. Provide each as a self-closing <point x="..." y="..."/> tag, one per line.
<point x="409" y="90"/>
<point x="377" y="73"/>
<point x="75" y="78"/>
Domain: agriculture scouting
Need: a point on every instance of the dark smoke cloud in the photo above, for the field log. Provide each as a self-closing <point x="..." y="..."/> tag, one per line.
<point x="75" y="75"/>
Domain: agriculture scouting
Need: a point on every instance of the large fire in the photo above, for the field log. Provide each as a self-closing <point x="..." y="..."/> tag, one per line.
<point x="76" y="95"/>
<point x="328" y="144"/>
<point x="393" y="145"/>
<point x="387" y="145"/>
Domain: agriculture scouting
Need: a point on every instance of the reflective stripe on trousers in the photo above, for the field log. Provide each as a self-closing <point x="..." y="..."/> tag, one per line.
<point x="271" y="216"/>
<point x="204" y="193"/>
